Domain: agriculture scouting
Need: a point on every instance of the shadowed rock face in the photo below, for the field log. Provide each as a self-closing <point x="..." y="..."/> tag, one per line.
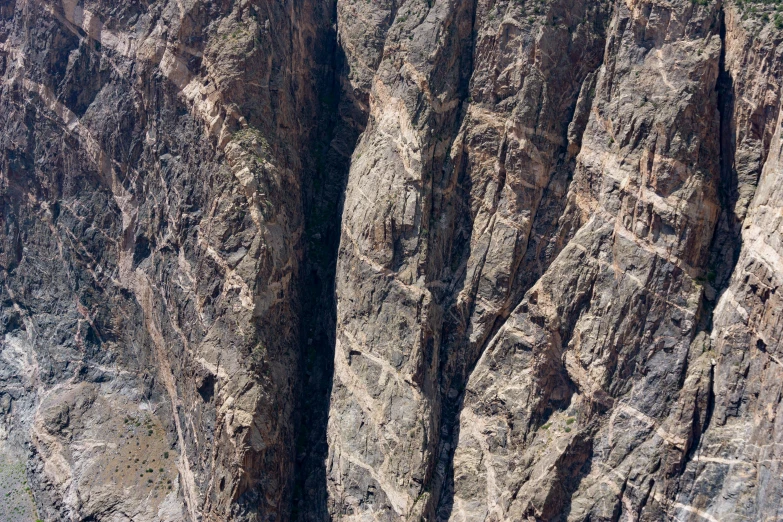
<point x="379" y="260"/>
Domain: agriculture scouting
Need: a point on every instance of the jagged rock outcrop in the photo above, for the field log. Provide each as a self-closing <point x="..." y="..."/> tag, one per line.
<point x="393" y="260"/>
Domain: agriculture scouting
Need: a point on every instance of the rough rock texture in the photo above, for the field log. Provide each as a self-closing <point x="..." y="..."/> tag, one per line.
<point x="392" y="260"/>
<point x="152" y="216"/>
<point x="552" y="279"/>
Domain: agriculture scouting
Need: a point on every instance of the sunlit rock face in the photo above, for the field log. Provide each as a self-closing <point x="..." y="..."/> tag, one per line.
<point x="377" y="260"/>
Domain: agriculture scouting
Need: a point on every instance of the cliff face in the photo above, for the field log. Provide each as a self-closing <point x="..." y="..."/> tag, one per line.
<point x="151" y="251"/>
<point x="392" y="260"/>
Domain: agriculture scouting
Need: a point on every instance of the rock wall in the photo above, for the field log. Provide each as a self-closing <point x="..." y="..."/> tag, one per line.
<point x="152" y="214"/>
<point x="529" y="329"/>
<point x="470" y="260"/>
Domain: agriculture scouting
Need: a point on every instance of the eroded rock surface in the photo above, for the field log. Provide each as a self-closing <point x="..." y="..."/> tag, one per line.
<point x="152" y="215"/>
<point x="559" y="280"/>
<point x="392" y="260"/>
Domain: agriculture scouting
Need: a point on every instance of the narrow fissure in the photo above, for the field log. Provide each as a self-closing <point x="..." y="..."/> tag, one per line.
<point x="727" y="238"/>
<point x="440" y="477"/>
<point x="323" y="194"/>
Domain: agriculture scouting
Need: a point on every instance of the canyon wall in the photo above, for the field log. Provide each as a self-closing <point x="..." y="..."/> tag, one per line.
<point x="151" y="251"/>
<point x="392" y="260"/>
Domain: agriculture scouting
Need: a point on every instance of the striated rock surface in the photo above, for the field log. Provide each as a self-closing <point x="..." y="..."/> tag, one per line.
<point x="152" y="216"/>
<point x="571" y="255"/>
<point x="391" y="260"/>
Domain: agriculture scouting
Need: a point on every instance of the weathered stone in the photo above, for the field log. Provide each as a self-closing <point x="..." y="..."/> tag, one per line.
<point x="383" y="260"/>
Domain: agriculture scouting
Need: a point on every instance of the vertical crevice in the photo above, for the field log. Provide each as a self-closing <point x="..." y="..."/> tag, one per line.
<point x="440" y="476"/>
<point x="335" y="133"/>
<point x="727" y="238"/>
<point x="726" y="241"/>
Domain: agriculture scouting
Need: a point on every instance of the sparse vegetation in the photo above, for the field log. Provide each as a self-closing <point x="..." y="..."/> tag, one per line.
<point x="762" y="10"/>
<point x="16" y="501"/>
